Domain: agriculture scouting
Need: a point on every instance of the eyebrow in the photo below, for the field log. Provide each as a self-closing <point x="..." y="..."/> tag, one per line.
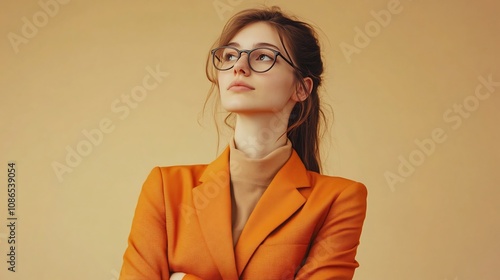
<point x="261" y="44"/>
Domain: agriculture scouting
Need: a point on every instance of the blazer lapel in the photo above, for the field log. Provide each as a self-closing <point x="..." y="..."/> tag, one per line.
<point x="280" y="200"/>
<point x="212" y="200"/>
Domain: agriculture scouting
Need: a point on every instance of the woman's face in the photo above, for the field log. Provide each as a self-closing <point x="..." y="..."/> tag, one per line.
<point x="247" y="92"/>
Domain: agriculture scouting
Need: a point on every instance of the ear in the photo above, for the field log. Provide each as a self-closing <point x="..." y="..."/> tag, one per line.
<point x="302" y="93"/>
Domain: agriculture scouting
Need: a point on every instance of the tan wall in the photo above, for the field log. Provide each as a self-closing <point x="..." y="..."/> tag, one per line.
<point x="417" y="78"/>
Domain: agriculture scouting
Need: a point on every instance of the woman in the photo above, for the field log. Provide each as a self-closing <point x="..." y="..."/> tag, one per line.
<point x="261" y="210"/>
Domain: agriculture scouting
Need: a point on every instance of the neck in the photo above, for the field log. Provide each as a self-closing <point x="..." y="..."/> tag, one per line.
<point x="257" y="135"/>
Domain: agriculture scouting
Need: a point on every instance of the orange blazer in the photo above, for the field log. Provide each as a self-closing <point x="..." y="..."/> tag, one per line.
<point x="305" y="226"/>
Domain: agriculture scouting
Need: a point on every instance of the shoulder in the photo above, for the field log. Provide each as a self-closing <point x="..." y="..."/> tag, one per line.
<point x="341" y="199"/>
<point x="194" y="173"/>
<point x="183" y="169"/>
<point x="177" y="173"/>
<point x="172" y="184"/>
<point x="334" y="186"/>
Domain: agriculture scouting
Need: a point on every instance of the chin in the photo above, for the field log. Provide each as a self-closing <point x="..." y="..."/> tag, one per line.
<point x="234" y="102"/>
<point x="234" y="108"/>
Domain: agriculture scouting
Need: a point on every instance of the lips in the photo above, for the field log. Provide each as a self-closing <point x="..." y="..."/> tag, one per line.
<point x="240" y="86"/>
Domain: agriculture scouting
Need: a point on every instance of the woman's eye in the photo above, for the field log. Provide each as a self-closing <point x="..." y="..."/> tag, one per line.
<point x="229" y="57"/>
<point x="264" y="57"/>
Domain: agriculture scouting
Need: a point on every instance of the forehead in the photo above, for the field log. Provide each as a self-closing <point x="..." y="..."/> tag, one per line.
<point x="256" y="33"/>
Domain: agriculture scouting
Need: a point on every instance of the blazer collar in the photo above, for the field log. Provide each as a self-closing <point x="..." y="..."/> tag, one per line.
<point x="212" y="200"/>
<point x="280" y="201"/>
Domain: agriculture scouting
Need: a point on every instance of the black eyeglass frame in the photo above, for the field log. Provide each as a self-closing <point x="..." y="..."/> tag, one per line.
<point x="248" y="52"/>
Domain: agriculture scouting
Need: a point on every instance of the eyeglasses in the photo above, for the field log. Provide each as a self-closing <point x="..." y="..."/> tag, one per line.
<point x="260" y="60"/>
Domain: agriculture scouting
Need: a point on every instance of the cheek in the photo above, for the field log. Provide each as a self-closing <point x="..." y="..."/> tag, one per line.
<point x="223" y="80"/>
<point x="282" y="84"/>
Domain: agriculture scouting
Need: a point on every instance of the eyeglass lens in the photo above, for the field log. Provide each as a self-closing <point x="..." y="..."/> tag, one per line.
<point x="261" y="59"/>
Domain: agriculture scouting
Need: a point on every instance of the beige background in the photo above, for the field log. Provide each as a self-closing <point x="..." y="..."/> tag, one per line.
<point x="439" y="222"/>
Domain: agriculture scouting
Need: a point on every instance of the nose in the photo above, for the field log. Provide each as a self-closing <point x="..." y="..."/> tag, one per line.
<point x="241" y="66"/>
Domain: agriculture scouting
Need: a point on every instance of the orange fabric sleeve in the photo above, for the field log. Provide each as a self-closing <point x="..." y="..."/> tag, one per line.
<point x="332" y="254"/>
<point x="146" y="254"/>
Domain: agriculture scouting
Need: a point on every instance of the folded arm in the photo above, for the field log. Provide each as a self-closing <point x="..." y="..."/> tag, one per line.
<point x="332" y="254"/>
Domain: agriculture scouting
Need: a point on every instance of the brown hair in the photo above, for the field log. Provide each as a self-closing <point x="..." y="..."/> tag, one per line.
<point x="302" y="40"/>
